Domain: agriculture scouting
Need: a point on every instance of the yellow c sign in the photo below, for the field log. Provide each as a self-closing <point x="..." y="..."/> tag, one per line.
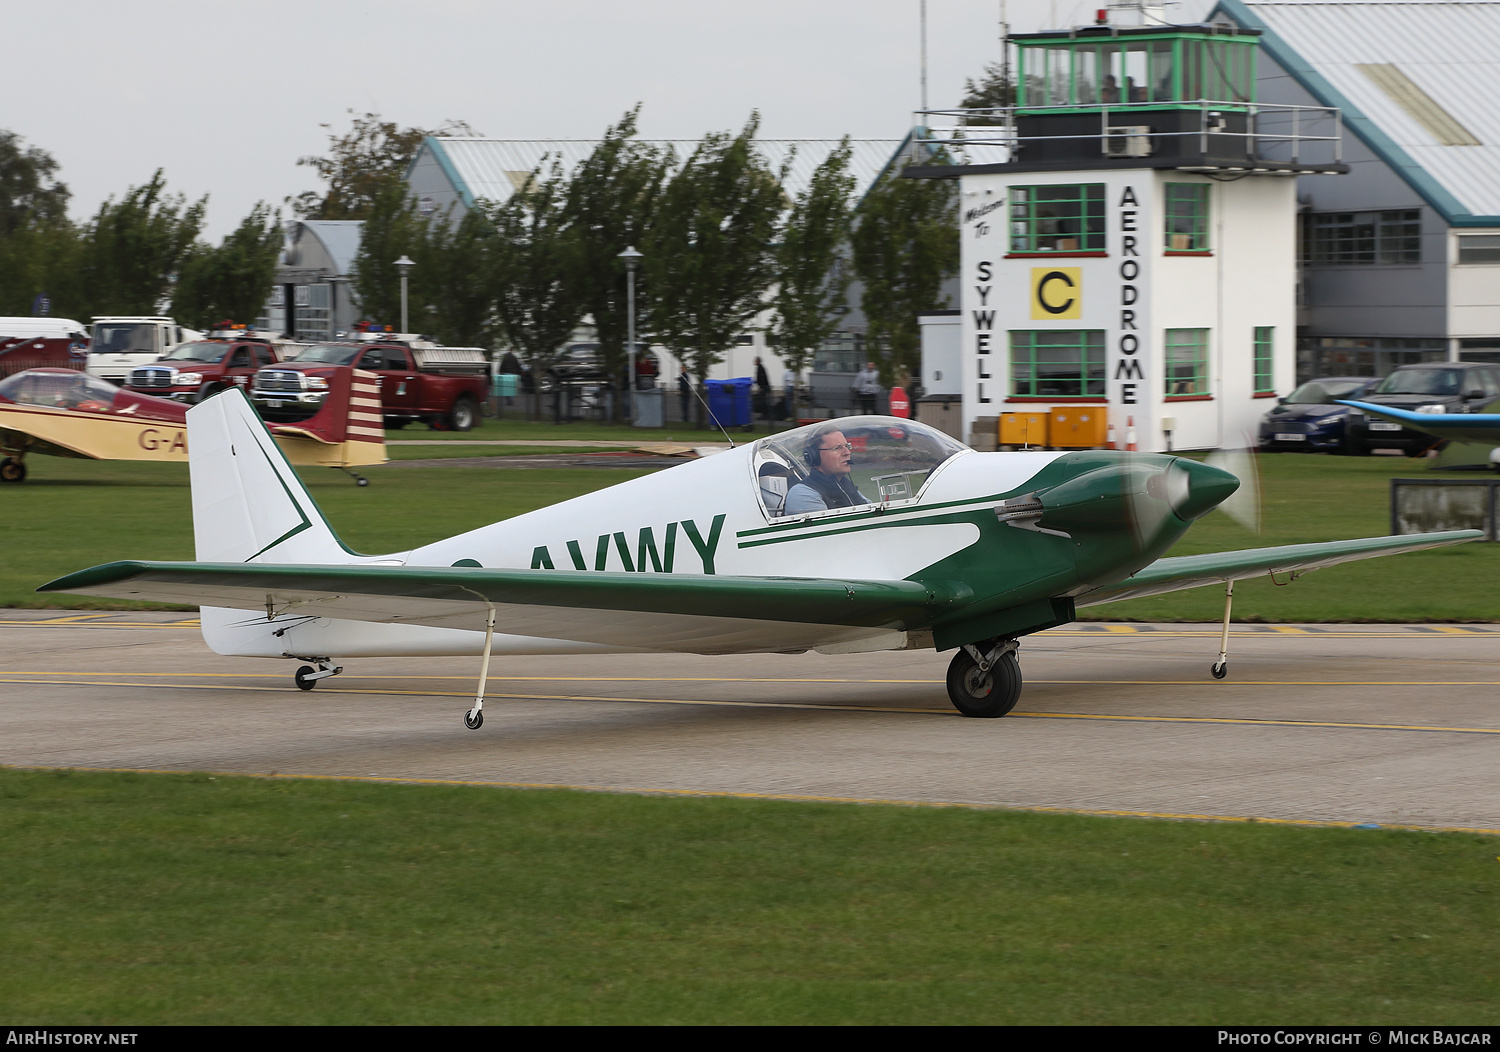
<point x="1056" y="293"/>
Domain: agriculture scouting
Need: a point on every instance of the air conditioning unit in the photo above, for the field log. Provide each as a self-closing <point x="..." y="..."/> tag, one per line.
<point x="1129" y="140"/>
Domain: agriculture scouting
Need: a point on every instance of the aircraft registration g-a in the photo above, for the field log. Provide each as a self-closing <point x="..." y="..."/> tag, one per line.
<point x="68" y="413"/>
<point x="861" y="534"/>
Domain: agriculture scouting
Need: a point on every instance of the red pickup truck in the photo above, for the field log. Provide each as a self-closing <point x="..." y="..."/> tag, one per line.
<point x="441" y="386"/>
<point x="193" y="371"/>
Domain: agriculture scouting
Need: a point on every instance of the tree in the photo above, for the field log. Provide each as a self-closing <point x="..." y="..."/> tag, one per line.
<point x="392" y="230"/>
<point x="38" y="245"/>
<point x="905" y="246"/>
<point x="994" y="90"/>
<point x="613" y="197"/>
<point x="538" y="295"/>
<point x="456" y="262"/>
<point x="132" y="249"/>
<point x="230" y="282"/>
<point x="29" y="191"/>
<point x="710" y="256"/>
<point x="811" y="279"/>
<point x="371" y="156"/>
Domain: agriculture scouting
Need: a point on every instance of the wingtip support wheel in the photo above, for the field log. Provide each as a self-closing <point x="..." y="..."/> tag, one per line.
<point x="474" y="719"/>
<point x="360" y="480"/>
<point x="300" y="677"/>
<point x="1220" y="669"/>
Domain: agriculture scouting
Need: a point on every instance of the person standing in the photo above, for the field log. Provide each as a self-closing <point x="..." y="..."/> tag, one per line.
<point x="865" y="387"/>
<point x="762" y="390"/>
<point x="684" y="390"/>
<point x="789" y="392"/>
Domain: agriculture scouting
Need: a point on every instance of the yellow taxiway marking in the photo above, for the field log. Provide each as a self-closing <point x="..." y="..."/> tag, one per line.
<point x="804" y="706"/>
<point x="1180" y="816"/>
<point x="752" y="679"/>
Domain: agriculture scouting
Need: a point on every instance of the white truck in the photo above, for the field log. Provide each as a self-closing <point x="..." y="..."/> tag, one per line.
<point x="122" y="343"/>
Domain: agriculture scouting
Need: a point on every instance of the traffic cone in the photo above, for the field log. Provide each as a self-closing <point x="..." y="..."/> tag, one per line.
<point x="1130" y="433"/>
<point x="1110" y="443"/>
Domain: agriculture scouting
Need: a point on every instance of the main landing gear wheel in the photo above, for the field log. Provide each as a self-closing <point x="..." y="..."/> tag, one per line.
<point x="12" y="470"/>
<point x="984" y="694"/>
<point x="474" y="719"/>
<point x="303" y="683"/>
<point x="1220" y="669"/>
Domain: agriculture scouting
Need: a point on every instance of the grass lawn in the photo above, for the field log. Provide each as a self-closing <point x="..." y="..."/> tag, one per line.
<point x="449" y="450"/>
<point x="186" y="899"/>
<point x="72" y="514"/>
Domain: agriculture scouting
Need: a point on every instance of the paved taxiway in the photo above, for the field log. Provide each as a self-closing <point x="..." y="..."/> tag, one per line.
<point x="1396" y="725"/>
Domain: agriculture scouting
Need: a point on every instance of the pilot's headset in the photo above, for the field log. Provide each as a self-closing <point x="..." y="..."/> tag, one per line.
<point x="812" y="453"/>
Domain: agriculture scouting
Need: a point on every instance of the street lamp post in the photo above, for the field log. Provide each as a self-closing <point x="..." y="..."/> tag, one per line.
<point x="631" y="258"/>
<point x="404" y="265"/>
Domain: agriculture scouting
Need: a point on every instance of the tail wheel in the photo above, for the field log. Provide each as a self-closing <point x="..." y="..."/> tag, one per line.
<point x="12" y="470"/>
<point x="464" y="415"/>
<point x="988" y="694"/>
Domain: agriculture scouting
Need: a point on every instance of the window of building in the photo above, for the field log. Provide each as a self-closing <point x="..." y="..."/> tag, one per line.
<point x="1265" y="354"/>
<point x="314" y="312"/>
<point x="1187" y="217"/>
<point x="1057" y="218"/>
<point x="1057" y="363"/>
<point x="1187" y="362"/>
<point x="1363" y="355"/>
<point x="1479" y="248"/>
<point x="1362" y="238"/>
<point x="1481" y="350"/>
<point x="841" y="352"/>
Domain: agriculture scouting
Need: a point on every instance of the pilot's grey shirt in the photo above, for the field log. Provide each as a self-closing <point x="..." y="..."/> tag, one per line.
<point x="804" y="497"/>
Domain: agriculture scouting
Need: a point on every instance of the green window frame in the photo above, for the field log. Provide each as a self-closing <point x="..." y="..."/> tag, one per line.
<point x="1169" y="70"/>
<point x="1187" y="362"/>
<point x="1059" y="218"/>
<point x="1057" y="363"/>
<point x="1265" y="358"/>
<point x="1186" y="221"/>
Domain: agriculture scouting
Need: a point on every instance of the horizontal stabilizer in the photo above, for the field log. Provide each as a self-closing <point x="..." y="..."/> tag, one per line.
<point x="1195" y="571"/>
<point x="1467" y="427"/>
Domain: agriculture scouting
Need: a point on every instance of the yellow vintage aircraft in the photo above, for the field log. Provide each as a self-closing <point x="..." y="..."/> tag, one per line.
<point x="67" y="413"/>
<point x="861" y="534"/>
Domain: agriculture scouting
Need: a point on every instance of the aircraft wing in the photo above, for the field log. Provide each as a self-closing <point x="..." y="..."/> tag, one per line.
<point x="1466" y="427"/>
<point x="695" y="612"/>
<point x="1195" y="571"/>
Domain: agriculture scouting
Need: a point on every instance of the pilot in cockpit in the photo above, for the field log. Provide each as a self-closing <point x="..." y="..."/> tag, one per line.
<point x="830" y="457"/>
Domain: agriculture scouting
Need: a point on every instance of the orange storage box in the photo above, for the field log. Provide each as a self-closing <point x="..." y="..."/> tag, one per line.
<point x="1023" y="429"/>
<point x="1079" y="426"/>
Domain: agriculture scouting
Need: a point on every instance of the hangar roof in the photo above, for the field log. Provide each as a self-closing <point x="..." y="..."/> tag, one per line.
<point x="1414" y="78"/>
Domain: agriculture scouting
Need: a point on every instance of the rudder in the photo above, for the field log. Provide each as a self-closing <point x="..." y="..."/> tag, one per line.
<point x="248" y="503"/>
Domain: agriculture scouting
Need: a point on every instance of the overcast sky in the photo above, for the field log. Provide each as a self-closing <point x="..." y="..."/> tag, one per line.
<point x="225" y="96"/>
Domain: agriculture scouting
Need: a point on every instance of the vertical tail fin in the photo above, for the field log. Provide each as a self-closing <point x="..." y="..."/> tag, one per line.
<point x="248" y="503"/>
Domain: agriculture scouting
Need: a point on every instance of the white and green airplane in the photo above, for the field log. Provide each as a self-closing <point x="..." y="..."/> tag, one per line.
<point x="861" y="534"/>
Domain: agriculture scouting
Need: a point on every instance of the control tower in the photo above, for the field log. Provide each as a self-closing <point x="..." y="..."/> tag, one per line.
<point x="1128" y="237"/>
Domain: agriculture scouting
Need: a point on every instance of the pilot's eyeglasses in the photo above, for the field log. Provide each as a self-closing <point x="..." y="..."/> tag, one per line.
<point x="842" y="445"/>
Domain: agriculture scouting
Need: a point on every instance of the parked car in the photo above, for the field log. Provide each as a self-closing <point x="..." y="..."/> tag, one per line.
<point x="1310" y="420"/>
<point x="191" y="372"/>
<point x="1429" y="387"/>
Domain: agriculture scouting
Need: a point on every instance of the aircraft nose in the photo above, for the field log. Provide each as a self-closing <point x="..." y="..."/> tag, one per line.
<point x="1207" y="488"/>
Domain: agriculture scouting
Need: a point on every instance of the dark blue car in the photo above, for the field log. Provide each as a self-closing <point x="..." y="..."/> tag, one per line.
<point x="1309" y="420"/>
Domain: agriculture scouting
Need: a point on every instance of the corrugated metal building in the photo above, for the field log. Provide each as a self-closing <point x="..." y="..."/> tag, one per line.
<point x="312" y="298"/>
<point x="1400" y="259"/>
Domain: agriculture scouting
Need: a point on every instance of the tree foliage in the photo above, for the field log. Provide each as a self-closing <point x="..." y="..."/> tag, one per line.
<point x="230" y="282"/>
<point x="29" y="190"/>
<point x="132" y="249"/>
<point x="392" y="230"/>
<point x="538" y="296"/>
<point x="905" y="246"/>
<point x="612" y="203"/>
<point x="371" y="156"/>
<point x="710" y="257"/>
<point x="994" y="90"/>
<point x="812" y="281"/>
